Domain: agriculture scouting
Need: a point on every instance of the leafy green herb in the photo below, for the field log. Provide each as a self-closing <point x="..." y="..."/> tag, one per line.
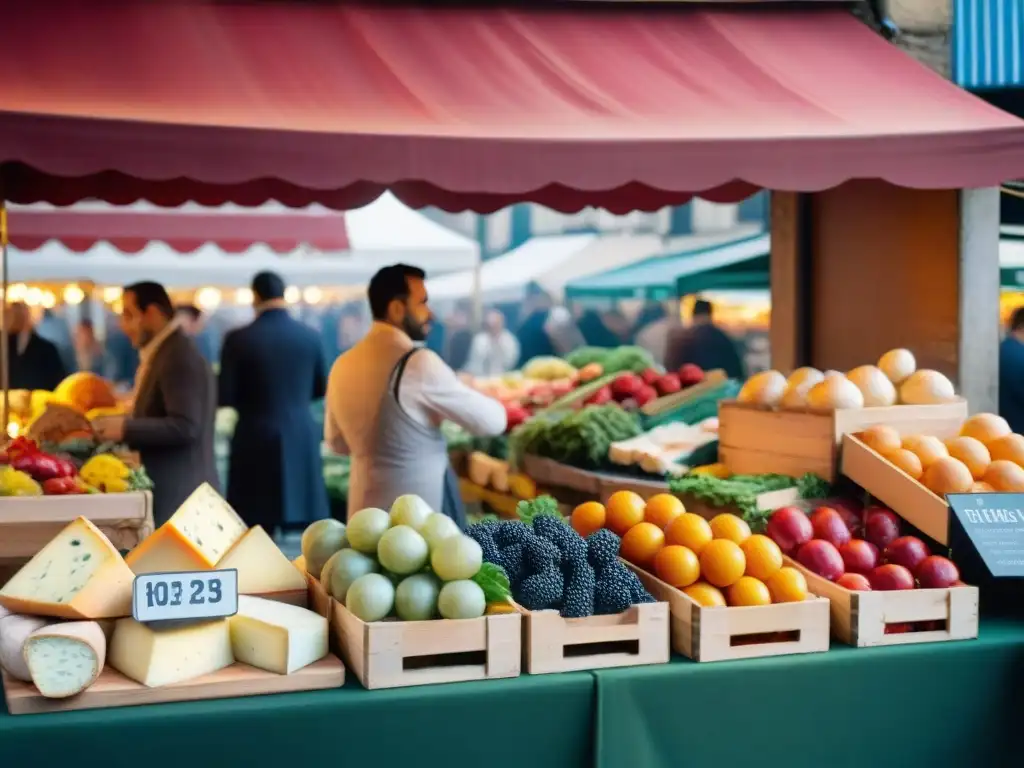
<point x="738" y="492"/>
<point x="493" y="580"/>
<point x="531" y="509"/>
<point x="810" y="486"/>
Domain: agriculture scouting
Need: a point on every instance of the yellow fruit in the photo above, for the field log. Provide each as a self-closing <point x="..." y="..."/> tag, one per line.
<point x="715" y="470"/>
<point x="677" y="566"/>
<point x="903" y="459"/>
<point x="706" y="595"/>
<point x="624" y="510"/>
<point x="727" y="526"/>
<point x="787" y="585"/>
<point x="763" y="555"/>
<point x="588" y="517"/>
<point x="881" y="438"/>
<point x="85" y="391"/>
<point x="722" y="562"/>
<point x="494" y="609"/>
<point x="662" y="509"/>
<point x="972" y="453"/>
<point x="690" y="531"/>
<point x="641" y="544"/>
<point x="748" y="591"/>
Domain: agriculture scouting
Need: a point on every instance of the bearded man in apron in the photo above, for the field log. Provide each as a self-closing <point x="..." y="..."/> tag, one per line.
<point x="387" y="397"/>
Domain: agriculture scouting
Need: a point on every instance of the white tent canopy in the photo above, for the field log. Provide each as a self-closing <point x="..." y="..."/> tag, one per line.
<point x="381" y="233"/>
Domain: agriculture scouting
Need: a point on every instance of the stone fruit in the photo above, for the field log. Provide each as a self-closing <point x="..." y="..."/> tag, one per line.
<point x="897" y="365"/>
<point x="830" y="526"/>
<point x="662" y="509"/>
<point x="881" y="526"/>
<point x="641" y="544"/>
<point x="1008" y="448"/>
<point x="859" y="556"/>
<point x="1005" y="476"/>
<point x="927" y="448"/>
<point x="971" y="452"/>
<point x="856" y="582"/>
<point x="937" y="572"/>
<point x="906" y="461"/>
<point x="705" y="595"/>
<point x="689" y="530"/>
<point x="623" y="510"/>
<point x="908" y="551"/>
<point x="890" y="577"/>
<point x="788" y="585"/>
<point x="947" y="475"/>
<point x="881" y="438"/>
<point x="763" y="555"/>
<point x="677" y="566"/>
<point x="748" y="591"/>
<point x="729" y="526"/>
<point x="852" y="513"/>
<point x="722" y="563"/>
<point x="985" y="427"/>
<point x="876" y="387"/>
<point x="789" y="527"/>
<point x="927" y="387"/>
<point x="764" y="389"/>
<point x="822" y="558"/>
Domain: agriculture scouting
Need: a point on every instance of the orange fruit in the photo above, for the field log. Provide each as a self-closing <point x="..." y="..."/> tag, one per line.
<point x="748" y="591"/>
<point x="985" y="427"/>
<point x="624" y="509"/>
<point x="722" y="562"/>
<point x="763" y="555"/>
<point x="1008" y="448"/>
<point x="690" y="531"/>
<point x="677" y="566"/>
<point x="928" y="448"/>
<point x="641" y="544"/>
<point x="1005" y="476"/>
<point x="705" y="595"/>
<point x="971" y="452"/>
<point x="906" y="460"/>
<point x="788" y="585"/>
<point x="727" y="526"/>
<point x="588" y="517"/>
<point x="662" y="509"/>
<point x="881" y="438"/>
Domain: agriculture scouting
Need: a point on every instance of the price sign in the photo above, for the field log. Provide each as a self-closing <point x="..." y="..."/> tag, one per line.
<point x="994" y="522"/>
<point x="185" y="595"/>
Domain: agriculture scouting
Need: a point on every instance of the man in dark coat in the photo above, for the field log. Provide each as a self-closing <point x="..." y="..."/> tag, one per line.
<point x="270" y="372"/>
<point x="35" y="363"/>
<point x="171" y="424"/>
<point x="704" y="344"/>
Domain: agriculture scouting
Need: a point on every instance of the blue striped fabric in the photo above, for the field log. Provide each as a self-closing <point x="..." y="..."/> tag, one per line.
<point x="988" y="43"/>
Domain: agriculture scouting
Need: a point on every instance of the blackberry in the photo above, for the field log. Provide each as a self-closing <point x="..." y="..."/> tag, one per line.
<point x="541" y="591"/>
<point x="539" y="554"/>
<point x="602" y="548"/>
<point x="612" y="593"/>
<point x="579" y="591"/>
<point x="570" y="544"/>
<point x="511" y="560"/>
<point x="508" y="532"/>
<point x="637" y="592"/>
<point x="481" y="534"/>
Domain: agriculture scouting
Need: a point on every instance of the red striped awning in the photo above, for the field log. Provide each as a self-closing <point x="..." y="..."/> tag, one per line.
<point x="130" y="228"/>
<point x="623" y="107"/>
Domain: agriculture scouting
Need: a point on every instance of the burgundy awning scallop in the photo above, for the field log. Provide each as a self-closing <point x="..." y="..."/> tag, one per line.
<point x="472" y="107"/>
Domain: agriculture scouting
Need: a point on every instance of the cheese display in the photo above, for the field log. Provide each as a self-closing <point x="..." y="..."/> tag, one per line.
<point x="65" y="659"/>
<point x="77" y="575"/>
<point x="275" y="636"/>
<point x="14" y="632"/>
<point x="196" y="537"/>
<point x="661" y="450"/>
<point x="262" y="567"/>
<point x="163" y="656"/>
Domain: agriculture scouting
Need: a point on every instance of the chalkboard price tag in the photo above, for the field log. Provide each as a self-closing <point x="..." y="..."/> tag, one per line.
<point x="994" y="522"/>
<point x="185" y="596"/>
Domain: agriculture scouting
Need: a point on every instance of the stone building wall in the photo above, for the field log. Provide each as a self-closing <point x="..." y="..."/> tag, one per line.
<point x="925" y="30"/>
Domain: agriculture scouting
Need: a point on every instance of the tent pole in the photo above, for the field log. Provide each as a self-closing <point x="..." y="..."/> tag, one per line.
<point x="5" y="347"/>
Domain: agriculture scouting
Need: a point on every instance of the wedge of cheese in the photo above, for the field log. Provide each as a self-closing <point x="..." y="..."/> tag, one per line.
<point x="65" y="659"/>
<point x="276" y="636"/>
<point x="262" y="567"/>
<point x="163" y="656"/>
<point x="78" y="575"/>
<point x="196" y="537"/>
<point x="15" y="631"/>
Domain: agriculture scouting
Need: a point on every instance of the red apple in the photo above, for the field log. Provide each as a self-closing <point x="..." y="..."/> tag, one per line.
<point x="937" y="572"/>
<point x="650" y="375"/>
<point x="822" y="558"/>
<point x="853" y="514"/>
<point x="856" y="582"/>
<point x="891" y="577"/>
<point x="908" y="551"/>
<point x="644" y="395"/>
<point x="789" y="528"/>
<point x="667" y="384"/>
<point x="881" y="527"/>
<point x="830" y="526"/>
<point x="602" y="396"/>
<point x="859" y="556"/>
<point x="626" y="385"/>
<point x="690" y="374"/>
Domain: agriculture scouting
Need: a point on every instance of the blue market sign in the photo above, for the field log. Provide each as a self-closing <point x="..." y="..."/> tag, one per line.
<point x="994" y="522"/>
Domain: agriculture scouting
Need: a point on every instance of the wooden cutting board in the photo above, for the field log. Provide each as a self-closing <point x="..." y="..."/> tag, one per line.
<point x="113" y="689"/>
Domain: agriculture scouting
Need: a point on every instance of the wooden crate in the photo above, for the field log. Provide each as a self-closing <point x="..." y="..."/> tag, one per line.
<point x="395" y="654"/>
<point x="925" y="510"/>
<point x="861" y="618"/>
<point x="755" y="441"/>
<point x="722" y="634"/>
<point x="637" y="636"/>
<point x="548" y="472"/>
<point x="28" y="523"/>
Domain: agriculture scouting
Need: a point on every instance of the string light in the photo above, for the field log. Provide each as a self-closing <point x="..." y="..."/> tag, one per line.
<point x="312" y="295"/>
<point x="49" y="300"/>
<point x="17" y="292"/>
<point x="111" y="294"/>
<point x="73" y="295"/>
<point x="292" y="294"/>
<point x="208" y="299"/>
<point x="243" y="296"/>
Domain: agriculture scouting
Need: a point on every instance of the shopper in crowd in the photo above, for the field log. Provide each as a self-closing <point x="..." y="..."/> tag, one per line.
<point x="460" y="337"/>
<point x="1011" y="372"/>
<point x="53" y="326"/>
<point x="387" y="397"/>
<point x="89" y="353"/>
<point x="171" y="424"/>
<point x="618" y="325"/>
<point x="34" y="362"/>
<point x="532" y="335"/>
<point x="122" y="357"/>
<point x="192" y="323"/>
<point x="595" y="332"/>
<point x="704" y="344"/>
<point x="652" y="328"/>
<point x="494" y="350"/>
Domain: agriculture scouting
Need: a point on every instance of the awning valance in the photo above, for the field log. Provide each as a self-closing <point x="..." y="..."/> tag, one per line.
<point x="472" y="107"/>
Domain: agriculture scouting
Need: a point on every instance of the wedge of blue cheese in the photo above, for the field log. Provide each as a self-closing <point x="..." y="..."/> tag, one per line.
<point x="65" y="659"/>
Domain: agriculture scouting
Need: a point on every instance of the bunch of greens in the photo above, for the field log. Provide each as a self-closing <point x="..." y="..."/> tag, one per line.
<point x="614" y="360"/>
<point x="740" y="492"/>
<point x="530" y="509"/>
<point x="579" y="439"/>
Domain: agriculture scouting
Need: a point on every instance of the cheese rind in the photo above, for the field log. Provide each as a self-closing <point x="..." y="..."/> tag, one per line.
<point x="65" y="659"/>
<point x="155" y="656"/>
<point x="195" y="538"/>
<point x="79" y="574"/>
<point x="261" y="565"/>
<point x="14" y="631"/>
<point x="276" y="636"/>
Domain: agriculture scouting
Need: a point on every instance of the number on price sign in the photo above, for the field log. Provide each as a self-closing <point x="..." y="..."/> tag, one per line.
<point x="185" y="595"/>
